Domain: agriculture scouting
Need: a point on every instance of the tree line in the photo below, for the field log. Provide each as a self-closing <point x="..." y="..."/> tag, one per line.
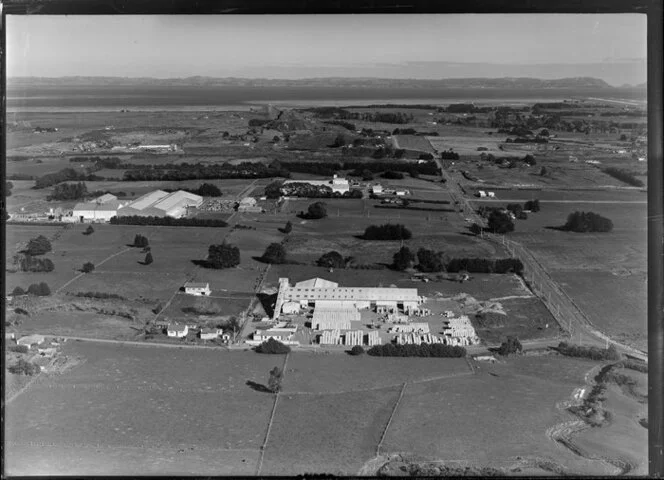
<point x="168" y="221"/>
<point x="411" y="350"/>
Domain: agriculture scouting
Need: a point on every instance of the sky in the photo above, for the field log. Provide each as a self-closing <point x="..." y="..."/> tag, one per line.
<point x="300" y="46"/>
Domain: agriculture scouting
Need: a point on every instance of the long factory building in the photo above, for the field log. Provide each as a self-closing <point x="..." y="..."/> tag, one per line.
<point x="328" y="296"/>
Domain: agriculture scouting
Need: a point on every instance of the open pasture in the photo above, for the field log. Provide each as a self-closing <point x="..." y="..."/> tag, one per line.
<point x="507" y="418"/>
<point x="481" y="286"/>
<point x="327" y="433"/>
<point x="227" y="306"/>
<point x="615" y="304"/>
<point x="80" y="324"/>
<point x="159" y="400"/>
<point x="317" y="373"/>
<point x="413" y="142"/>
<point x="466" y="141"/>
<point x="565" y="197"/>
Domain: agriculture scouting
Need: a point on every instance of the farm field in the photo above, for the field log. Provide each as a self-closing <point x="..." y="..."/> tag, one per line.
<point x="512" y="409"/>
<point x="112" y="405"/>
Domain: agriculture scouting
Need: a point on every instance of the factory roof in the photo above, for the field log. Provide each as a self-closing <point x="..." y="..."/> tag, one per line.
<point x="148" y="199"/>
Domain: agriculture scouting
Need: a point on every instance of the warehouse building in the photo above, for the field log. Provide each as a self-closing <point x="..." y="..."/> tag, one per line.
<point x="101" y="209"/>
<point x="325" y="295"/>
<point x="162" y="204"/>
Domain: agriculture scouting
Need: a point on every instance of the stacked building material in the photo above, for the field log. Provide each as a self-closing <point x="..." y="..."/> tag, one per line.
<point x="331" y="337"/>
<point x="354" y="337"/>
<point x="373" y="338"/>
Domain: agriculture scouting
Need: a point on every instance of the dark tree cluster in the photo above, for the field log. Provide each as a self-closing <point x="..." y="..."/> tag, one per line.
<point x="64" y="175"/>
<point x="37" y="289"/>
<point x="392" y="175"/>
<point x="331" y="259"/>
<point x="165" y="172"/>
<point x="273" y="346"/>
<point x="315" y="211"/>
<point x="223" y="256"/>
<point x="623" y="176"/>
<point x="485" y="265"/>
<point x="88" y="267"/>
<point x="403" y="259"/>
<point x="594" y="353"/>
<point x="275" y="253"/>
<point x="28" y="263"/>
<point x="532" y="205"/>
<point x="89" y="230"/>
<point x="205" y="190"/>
<point x="430" y="261"/>
<point x="449" y="155"/>
<point x="587" y="222"/>
<point x="422" y="350"/>
<point x="510" y="346"/>
<point x="38" y="246"/>
<point x="387" y="231"/>
<point x="168" y="221"/>
<point x="140" y="241"/>
<point x="23" y="367"/>
<point x="69" y="191"/>
<point x="276" y="377"/>
<point x="517" y="210"/>
<point x="287" y="228"/>
<point x="500" y="222"/>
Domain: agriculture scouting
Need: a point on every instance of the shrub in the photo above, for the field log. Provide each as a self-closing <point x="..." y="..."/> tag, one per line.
<point x="18" y="291"/>
<point x="387" y="231"/>
<point x="500" y="222"/>
<point x="223" y="256"/>
<point x="430" y="261"/>
<point x="412" y="350"/>
<point x="38" y="246"/>
<point x="532" y="205"/>
<point x="587" y="222"/>
<point x="357" y="350"/>
<point x="140" y="241"/>
<point x="288" y="227"/>
<point x="88" y="267"/>
<point x="403" y="259"/>
<point x="23" y="367"/>
<point x="101" y="295"/>
<point x="274" y="253"/>
<point x="274" y="382"/>
<point x="331" y="259"/>
<point x="39" y="289"/>
<point x="272" y="346"/>
<point x="317" y="210"/>
<point x="89" y="230"/>
<point x="511" y="345"/>
<point x="148" y="259"/>
<point x="30" y="264"/>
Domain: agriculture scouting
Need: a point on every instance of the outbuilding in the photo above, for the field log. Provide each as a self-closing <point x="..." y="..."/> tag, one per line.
<point x="196" y="288"/>
<point x="177" y="331"/>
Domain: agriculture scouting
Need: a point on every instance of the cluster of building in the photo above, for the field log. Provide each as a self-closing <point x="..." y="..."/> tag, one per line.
<point x="154" y="204"/>
<point x="182" y="330"/>
<point x="282" y="331"/>
<point x="378" y="190"/>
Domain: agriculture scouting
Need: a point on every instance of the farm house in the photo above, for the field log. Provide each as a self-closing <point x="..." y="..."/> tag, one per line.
<point x="318" y="292"/>
<point x="194" y="288"/>
<point x="177" y="331"/>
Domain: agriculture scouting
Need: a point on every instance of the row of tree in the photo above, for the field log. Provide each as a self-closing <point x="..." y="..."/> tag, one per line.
<point x="69" y="191"/>
<point x="168" y="221"/>
<point x="422" y="350"/>
<point x="64" y="175"/>
<point x="387" y="231"/>
<point x="40" y="289"/>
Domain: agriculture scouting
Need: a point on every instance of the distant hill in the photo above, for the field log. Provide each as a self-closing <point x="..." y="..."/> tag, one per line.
<point x="503" y="83"/>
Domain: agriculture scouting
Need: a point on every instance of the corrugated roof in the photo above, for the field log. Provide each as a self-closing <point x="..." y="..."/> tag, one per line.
<point x="107" y="197"/>
<point x="196" y="285"/>
<point x="316" y="283"/>
<point x="109" y="206"/>
<point x="177" y="199"/>
<point x="148" y="199"/>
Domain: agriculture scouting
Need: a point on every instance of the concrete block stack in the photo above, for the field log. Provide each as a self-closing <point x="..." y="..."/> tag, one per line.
<point x="373" y="338"/>
<point x="331" y="337"/>
<point x="354" y="337"/>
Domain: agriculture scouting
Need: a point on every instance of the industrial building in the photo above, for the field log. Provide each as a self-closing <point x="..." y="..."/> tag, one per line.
<point x="325" y="295"/>
<point x="101" y="209"/>
<point x="162" y="204"/>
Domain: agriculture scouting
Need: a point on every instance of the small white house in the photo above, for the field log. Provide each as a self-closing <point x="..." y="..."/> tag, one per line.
<point x="210" y="333"/>
<point x="177" y="331"/>
<point x="491" y="194"/>
<point x="194" y="288"/>
<point x="377" y="189"/>
<point x="482" y="193"/>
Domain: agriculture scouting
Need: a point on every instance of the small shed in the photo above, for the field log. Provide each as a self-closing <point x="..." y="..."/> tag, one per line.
<point x="208" y="334"/>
